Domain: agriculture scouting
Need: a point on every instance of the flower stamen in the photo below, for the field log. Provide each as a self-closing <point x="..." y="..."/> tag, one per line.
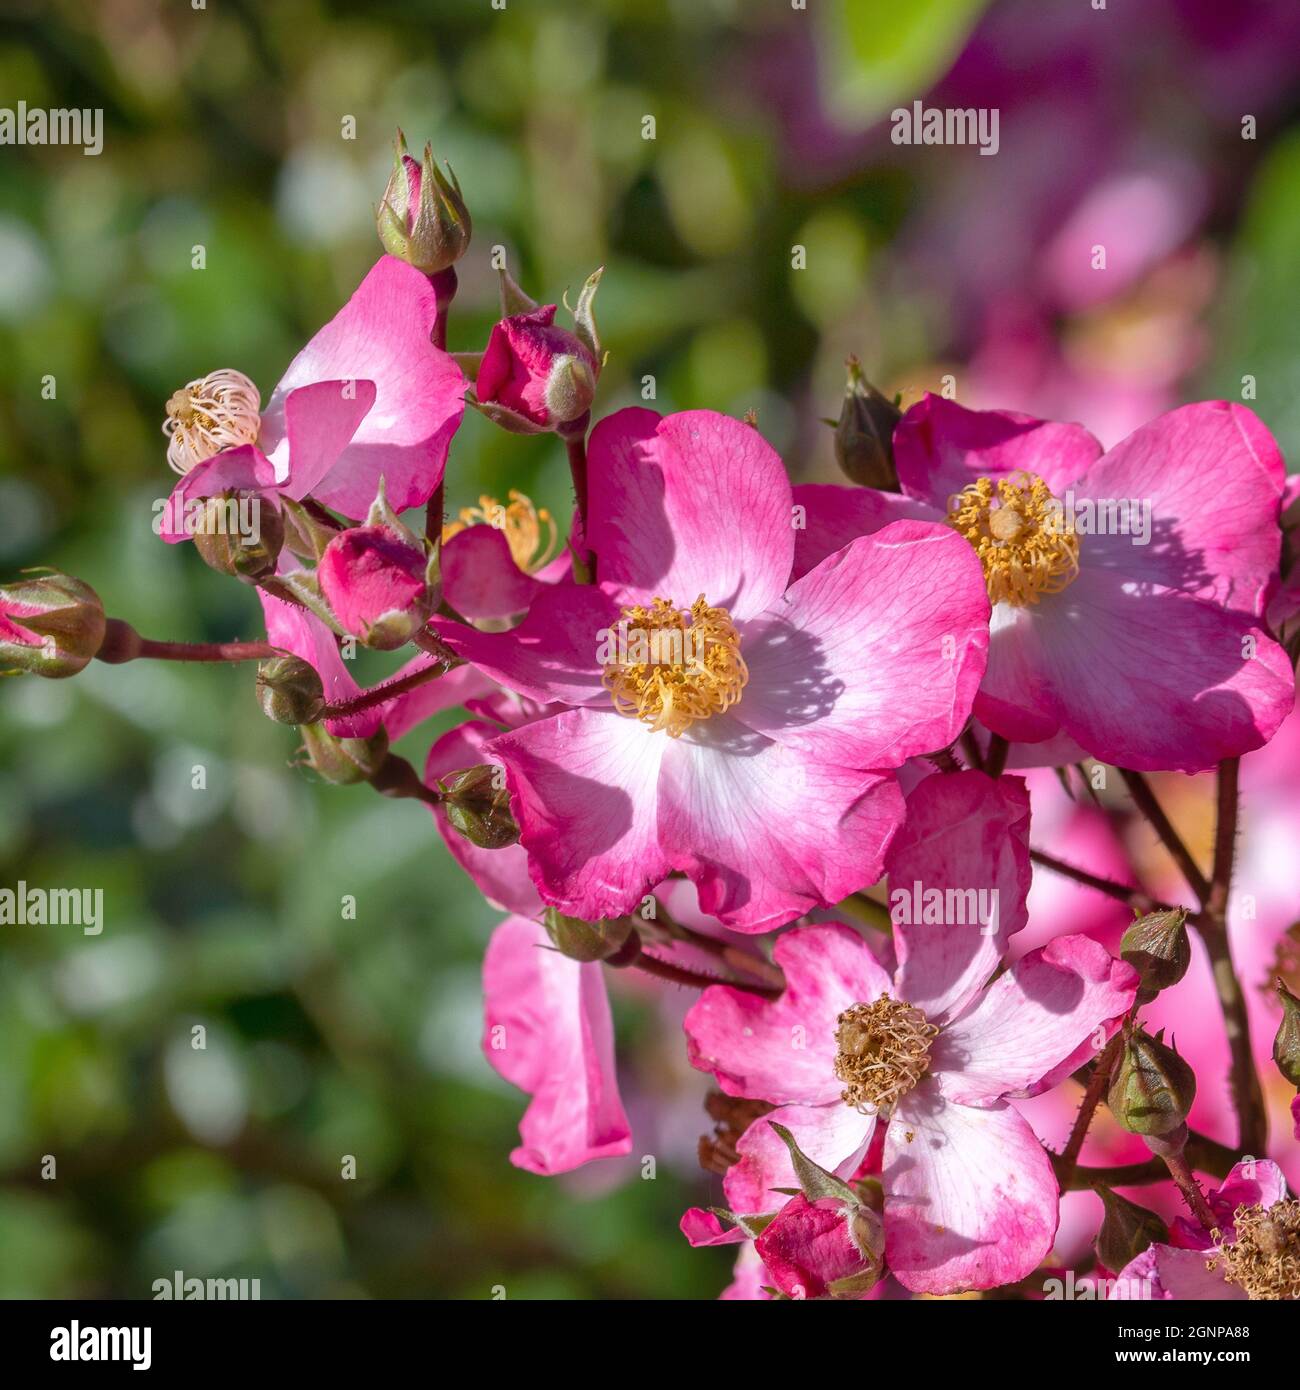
<point x="1019" y="531"/>
<point x="674" y="666"/>
<point x="522" y="523"/>
<point x="884" y="1051"/>
<point x="219" y="411"/>
<point x="1264" y="1258"/>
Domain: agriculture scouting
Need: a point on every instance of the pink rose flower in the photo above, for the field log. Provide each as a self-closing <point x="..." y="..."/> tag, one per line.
<point x="369" y="397"/>
<point x="1257" y="1254"/>
<point x="756" y="758"/>
<point x="1148" y="654"/>
<point x="970" y="1199"/>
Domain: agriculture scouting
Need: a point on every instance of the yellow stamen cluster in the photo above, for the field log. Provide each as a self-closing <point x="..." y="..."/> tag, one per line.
<point x="219" y="411"/>
<point x="1264" y="1259"/>
<point x="884" y="1050"/>
<point x="530" y="531"/>
<point x="675" y="667"/>
<point x="1019" y="531"/>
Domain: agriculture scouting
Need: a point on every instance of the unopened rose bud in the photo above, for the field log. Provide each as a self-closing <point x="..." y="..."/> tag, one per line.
<point x="1151" y="1088"/>
<point x="1157" y="947"/>
<point x="423" y="219"/>
<point x="864" y="435"/>
<point x="1286" y="1046"/>
<point x="587" y="941"/>
<point x="535" y="376"/>
<point x="380" y="581"/>
<point x="289" y="690"/>
<point x="1126" y="1230"/>
<point x="478" y="806"/>
<point x="50" y="625"/>
<point x="248" y="555"/>
<point x="344" y="761"/>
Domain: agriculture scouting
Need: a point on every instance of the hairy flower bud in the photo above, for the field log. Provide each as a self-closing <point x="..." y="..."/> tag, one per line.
<point x="1126" y="1230"/>
<point x="1286" y="1046"/>
<point x="1157" y="947"/>
<point x="344" y="761"/>
<point x="423" y="219"/>
<point x="50" y="625"/>
<point x="218" y="536"/>
<point x="289" y="690"/>
<point x="864" y="434"/>
<point x="535" y="376"/>
<point x="478" y="806"/>
<point x="380" y="580"/>
<point x="587" y="941"/>
<point x="1151" y="1088"/>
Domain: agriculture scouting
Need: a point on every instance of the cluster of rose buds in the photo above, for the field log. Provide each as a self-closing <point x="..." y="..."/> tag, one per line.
<point x="753" y="739"/>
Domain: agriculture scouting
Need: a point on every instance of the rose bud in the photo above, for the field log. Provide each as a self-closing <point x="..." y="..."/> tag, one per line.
<point x="380" y="580"/>
<point x="50" y="625"/>
<point x="586" y="941"/>
<point x="1157" y="947"/>
<point x="535" y="376"/>
<point x="1151" y="1088"/>
<point x="423" y="219"/>
<point x="289" y="690"/>
<point x="1126" y="1230"/>
<point x="478" y="806"/>
<point x="864" y="434"/>
<point x="1286" y="1046"/>
<point x="229" y="545"/>
<point x="344" y="761"/>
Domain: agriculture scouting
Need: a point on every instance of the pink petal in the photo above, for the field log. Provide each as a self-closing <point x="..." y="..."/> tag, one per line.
<point x="783" y="1049"/>
<point x="834" y="515"/>
<point x="583" y="786"/>
<point x="547" y="1030"/>
<point x="834" y="1135"/>
<point x="765" y="832"/>
<point x="705" y="1228"/>
<point x="1163" y="1273"/>
<point x="964" y="831"/>
<point x="689" y="504"/>
<point x="1158" y="680"/>
<point x="970" y="1197"/>
<point x="551" y="655"/>
<point x="380" y="335"/>
<point x="241" y="469"/>
<point x="1032" y="1020"/>
<point x="905" y="609"/>
<point x="320" y="421"/>
<point x="1212" y="475"/>
<point x="1016" y="698"/>
<point x="749" y="1279"/>
<point x="480" y="578"/>
<point x="501" y="874"/>
<point x="940" y="447"/>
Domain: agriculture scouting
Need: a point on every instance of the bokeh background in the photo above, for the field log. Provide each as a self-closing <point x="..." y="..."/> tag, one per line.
<point x="225" y="126"/>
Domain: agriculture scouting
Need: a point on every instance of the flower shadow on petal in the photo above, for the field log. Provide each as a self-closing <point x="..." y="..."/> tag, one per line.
<point x="797" y="687"/>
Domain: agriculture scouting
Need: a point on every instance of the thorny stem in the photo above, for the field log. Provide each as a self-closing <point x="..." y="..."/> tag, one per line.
<point x="123" y="643"/>
<point x="1133" y="897"/>
<point x="1145" y="799"/>
<point x="584" y="564"/>
<point x="1247" y="1097"/>
<point x="1181" y="1172"/>
<point x="1201" y="1152"/>
<point x="679" y="975"/>
<point x="388" y="690"/>
<point x="995" y="760"/>
<point x="731" y="956"/>
<point x="1091" y="1097"/>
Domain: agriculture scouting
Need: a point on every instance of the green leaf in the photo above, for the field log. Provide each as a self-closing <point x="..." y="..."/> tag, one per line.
<point x="815" y="1181"/>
